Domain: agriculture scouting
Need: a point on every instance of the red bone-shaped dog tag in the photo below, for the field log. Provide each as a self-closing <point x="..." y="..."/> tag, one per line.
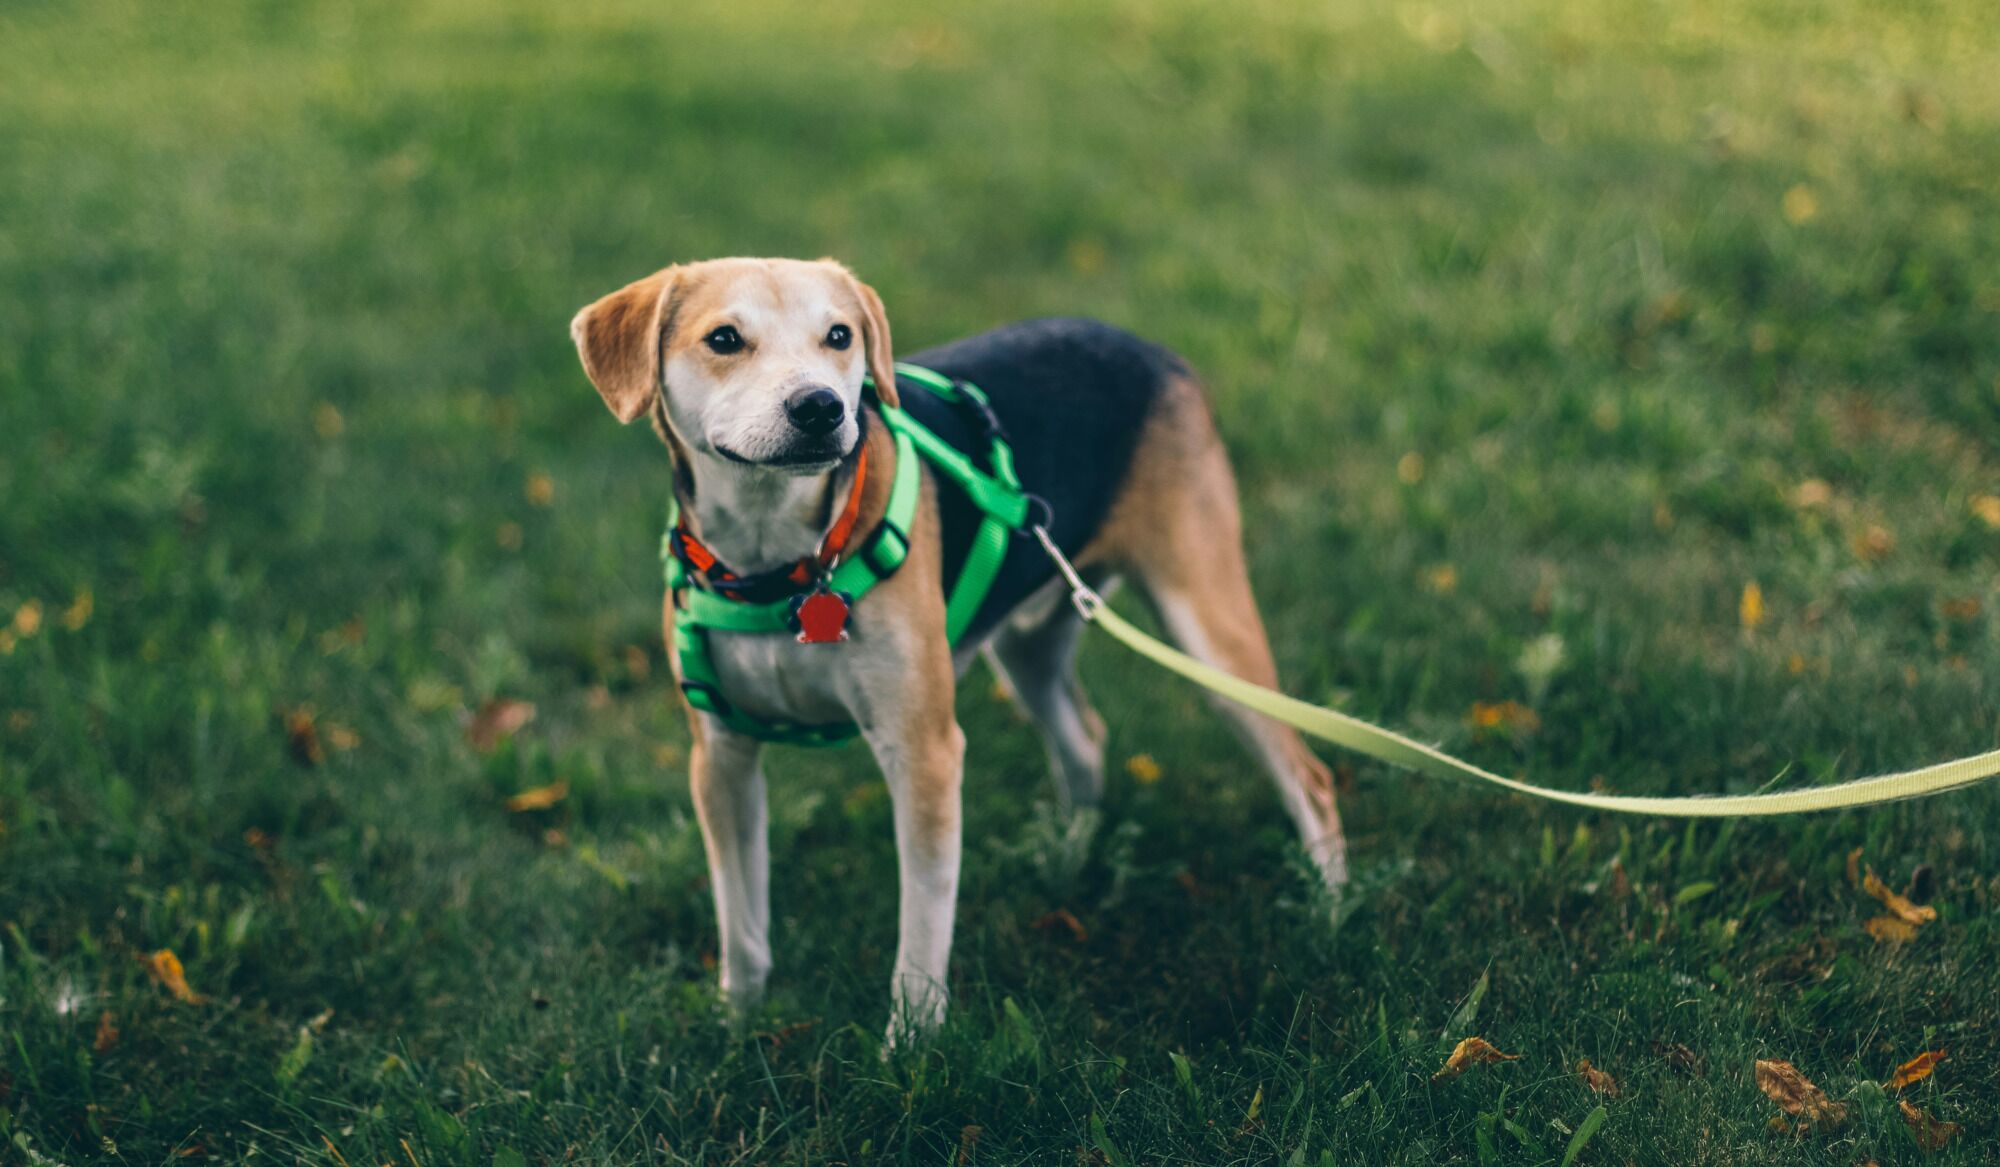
<point x="821" y="617"/>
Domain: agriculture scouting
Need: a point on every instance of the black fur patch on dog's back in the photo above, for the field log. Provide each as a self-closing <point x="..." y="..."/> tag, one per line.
<point x="1073" y="396"/>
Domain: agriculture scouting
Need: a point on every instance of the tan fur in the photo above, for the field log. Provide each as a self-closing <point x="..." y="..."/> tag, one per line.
<point x="1176" y="525"/>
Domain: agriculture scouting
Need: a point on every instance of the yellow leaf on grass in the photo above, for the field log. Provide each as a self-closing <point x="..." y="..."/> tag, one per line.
<point x="1782" y="1083"/>
<point x="1987" y="508"/>
<point x="1930" y="1134"/>
<point x="1800" y="205"/>
<point x="1470" y="1052"/>
<point x="541" y="797"/>
<point x="1890" y="930"/>
<point x="1598" y="1081"/>
<point x="496" y="721"/>
<point x="166" y="969"/>
<point x="1143" y="769"/>
<point x="540" y="489"/>
<point x="1906" y="911"/>
<point x="28" y="619"/>
<point x="1915" y="1070"/>
<point x="1750" y="609"/>
<point x="78" y="613"/>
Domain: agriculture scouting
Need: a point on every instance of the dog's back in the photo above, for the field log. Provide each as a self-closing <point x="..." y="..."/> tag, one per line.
<point x="1074" y="395"/>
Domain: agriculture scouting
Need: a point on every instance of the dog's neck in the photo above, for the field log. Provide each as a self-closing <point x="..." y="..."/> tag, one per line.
<point x="756" y="519"/>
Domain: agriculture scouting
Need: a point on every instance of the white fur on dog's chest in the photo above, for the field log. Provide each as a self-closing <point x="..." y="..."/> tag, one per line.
<point x="773" y="676"/>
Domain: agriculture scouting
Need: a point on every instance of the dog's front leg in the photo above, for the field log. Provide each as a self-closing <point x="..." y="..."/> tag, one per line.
<point x="922" y="757"/>
<point x="728" y="784"/>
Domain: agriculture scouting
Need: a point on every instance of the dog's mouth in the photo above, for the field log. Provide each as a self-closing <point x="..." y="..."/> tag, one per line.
<point x="809" y="456"/>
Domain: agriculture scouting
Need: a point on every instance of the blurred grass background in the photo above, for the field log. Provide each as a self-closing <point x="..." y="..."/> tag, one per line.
<point x="1539" y="335"/>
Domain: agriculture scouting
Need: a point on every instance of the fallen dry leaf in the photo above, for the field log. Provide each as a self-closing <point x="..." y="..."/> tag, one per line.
<point x="496" y="721"/>
<point x="1680" y="1058"/>
<point x="1782" y="1083"/>
<point x="166" y="969"/>
<point x="1930" y="1134"/>
<point x="1914" y="1070"/>
<point x="1813" y="492"/>
<point x="302" y="736"/>
<point x="1750" y="609"/>
<point x="1908" y="912"/>
<point x="1890" y="930"/>
<point x="1143" y="769"/>
<point x="1854" y="867"/>
<point x="107" y="1032"/>
<point x="1062" y="918"/>
<point x="1598" y="1081"/>
<point x="540" y="798"/>
<point x="28" y="618"/>
<point x="1874" y="543"/>
<point x="78" y="613"/>
<point x="1470" y="1052"/>
<point x="1987" y="507"/>
<point x="1508" y="715"/>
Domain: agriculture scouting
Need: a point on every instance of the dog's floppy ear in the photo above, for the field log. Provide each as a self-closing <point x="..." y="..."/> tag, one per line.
<point x="875" y="335"/>
<point x="619" y="339"/>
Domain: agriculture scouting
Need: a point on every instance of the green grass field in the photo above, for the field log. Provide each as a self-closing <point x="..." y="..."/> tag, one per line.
<point x="1539" y="335"/>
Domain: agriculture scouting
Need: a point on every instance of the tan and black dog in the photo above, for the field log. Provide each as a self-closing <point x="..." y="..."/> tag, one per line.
<point x="751" y="371"/>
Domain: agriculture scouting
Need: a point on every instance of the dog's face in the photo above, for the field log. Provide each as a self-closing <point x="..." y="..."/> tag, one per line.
<point x="757" y="361"/>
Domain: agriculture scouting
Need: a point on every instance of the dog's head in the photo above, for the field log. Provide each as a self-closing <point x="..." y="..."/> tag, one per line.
<point x="758" y="361"/>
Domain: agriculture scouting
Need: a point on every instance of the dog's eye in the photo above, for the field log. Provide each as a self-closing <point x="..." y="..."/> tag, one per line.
<point x="724" y="340"/>
<point x="839" y="336"/>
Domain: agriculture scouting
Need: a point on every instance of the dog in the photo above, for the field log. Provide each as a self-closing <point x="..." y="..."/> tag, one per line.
<point x="752" y="373"/>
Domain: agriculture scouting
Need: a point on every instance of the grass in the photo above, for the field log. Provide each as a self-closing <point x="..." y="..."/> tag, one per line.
<point x="1537" y="336"/>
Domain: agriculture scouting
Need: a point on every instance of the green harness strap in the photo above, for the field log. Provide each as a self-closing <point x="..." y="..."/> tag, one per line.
<point x="998" y="496"/>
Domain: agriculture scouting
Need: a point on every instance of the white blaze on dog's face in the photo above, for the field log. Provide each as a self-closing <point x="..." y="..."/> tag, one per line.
<point x="761" y="360"/>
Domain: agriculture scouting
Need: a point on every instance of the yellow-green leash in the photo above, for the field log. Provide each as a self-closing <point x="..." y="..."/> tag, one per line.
<point x="1389" y="746"/>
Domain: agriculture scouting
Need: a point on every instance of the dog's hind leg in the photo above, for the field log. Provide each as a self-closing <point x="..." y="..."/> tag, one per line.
<point x="1038" y="660"/>
<point x="1177" y="526"/>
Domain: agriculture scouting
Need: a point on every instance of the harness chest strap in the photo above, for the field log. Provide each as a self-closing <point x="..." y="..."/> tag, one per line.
<point x="998" y="496"/>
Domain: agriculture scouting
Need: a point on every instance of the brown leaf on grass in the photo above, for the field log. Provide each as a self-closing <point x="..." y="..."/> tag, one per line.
<point x="1915" y="1070"/>
<point x="1507" y="716"/>
<point x="540" y="798"/>
<point x="1890" y="930"/>
<point x="107" y="1032"/>
<point x="302" y="736"/>
<point x="1680" y="1058"/>
<point x="1062" y="918"/>
<point x="1930" y="1134"/>
<point x="1854" y="867"/>
<point x="1782" y="1083"/>
<point x="496" y="721"/>
<point x="1470" y="1052"/>
<point x="1906" y="911"/>
<point x="165" y="968"/>
<point x="1598" y="1081"/>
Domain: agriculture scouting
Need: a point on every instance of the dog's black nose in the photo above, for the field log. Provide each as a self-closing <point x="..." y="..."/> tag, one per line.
<point x="817" y="411"/>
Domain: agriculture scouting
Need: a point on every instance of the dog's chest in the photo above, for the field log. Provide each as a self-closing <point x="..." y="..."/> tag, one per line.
<point x="773" y="676"/>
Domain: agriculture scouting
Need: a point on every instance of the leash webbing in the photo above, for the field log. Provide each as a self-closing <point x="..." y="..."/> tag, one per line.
<point x="1388" y="746"/>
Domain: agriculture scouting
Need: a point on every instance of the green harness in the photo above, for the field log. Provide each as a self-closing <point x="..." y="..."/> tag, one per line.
<point x="995" y="491"/>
